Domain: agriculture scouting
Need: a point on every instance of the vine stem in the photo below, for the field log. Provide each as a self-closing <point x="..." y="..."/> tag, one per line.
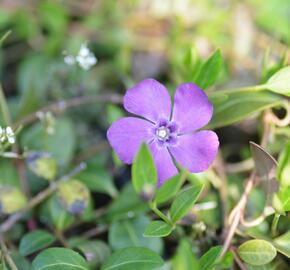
<point x="160" y="214"/>
<point x="6" y="255"/>
<point x="40" y="197"/>
<point x="63" y="105"/>
<point x="275" y="224"/>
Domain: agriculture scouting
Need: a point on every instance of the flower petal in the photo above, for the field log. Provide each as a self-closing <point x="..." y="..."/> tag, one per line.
<point x="196" y="151"/>
<point x="149" y="99"/>
<point x="163" y="162"/>
<point x="192" y="109"/>
<point x="127" y="134"/>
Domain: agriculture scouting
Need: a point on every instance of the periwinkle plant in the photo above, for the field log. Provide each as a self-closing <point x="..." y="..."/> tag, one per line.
<point x="171" y="134"/>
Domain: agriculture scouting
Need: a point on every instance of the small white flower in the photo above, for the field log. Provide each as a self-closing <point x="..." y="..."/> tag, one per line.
<point x="85" y="58"/>
<point x="69" y="60"/>
<point x="7" y="134"/>
<point x="2" y="135"/>
<point x="10" y="135"/>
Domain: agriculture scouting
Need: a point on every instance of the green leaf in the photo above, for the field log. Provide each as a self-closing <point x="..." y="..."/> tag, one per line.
<point x="157" y="228"/>
<point x="280" y="82"/>
<point x="238" y="106"/>
<point x="208" y="260"/>
<point x="59" y="259"/>
<point x="184" y="258"/>
<point x="61" y="144"/>
<point x="95" y="251"/>
<point x="122" y="207"/>
<point x="282" y="243"/>
<point x="58" y="216"/>
<point x="282" y="200"/>
<point x="169" y="189"/>
<point x="34" y="241"/>
<point x="144" y="174"/>
<point x="257" y="252"/>
<point x="129" y="233"/>
<point x="184" y="202"/>
<point x="210" y="70"/>
<point x="133" y="258"/>
<point x="98" y="181"/>
<point x="284" y="166"/>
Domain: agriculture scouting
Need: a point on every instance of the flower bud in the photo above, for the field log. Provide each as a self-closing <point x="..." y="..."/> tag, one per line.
<point x="42" y="164"/>
<point x="147" y="192"/>
<point x="74" y="196"/>
<point x="11" y="199"/>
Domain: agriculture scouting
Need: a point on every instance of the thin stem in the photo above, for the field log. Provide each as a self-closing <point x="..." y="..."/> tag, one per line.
<point x="160" y="214"/>
<point x="4" y="108"/>
<point x="275" y="225"/>
<point x="60" y="107"/>
<point x="40" y="197"/>
<point x="6" y="255"/>
<point x="253" y="88"/>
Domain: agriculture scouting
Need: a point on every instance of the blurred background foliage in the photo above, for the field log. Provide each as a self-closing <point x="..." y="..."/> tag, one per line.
<point x="168" y="40"/>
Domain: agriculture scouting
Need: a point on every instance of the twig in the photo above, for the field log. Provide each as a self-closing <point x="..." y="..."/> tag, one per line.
<point x="6" y="254"/>
<point x="63" y="105"/>
<point x="238" y="260"/>
<point x="95" y="231"/>
<point x="6" y="225"/>
<point x="238" y="167"/>
<point x="237" y="213"/>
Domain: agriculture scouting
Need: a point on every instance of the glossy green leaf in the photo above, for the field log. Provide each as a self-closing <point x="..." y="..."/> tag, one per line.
<point x="185" y="201"/>
<point x="144" y="174"/>
<point x="59" y="259"/>
<point x="184" y="258"/>
<point x="133" y="258"/>
<point x="280" y="82"/>
<point x="238" y="106"/>
<point x="129" y="233"/>
<point x="157" y="228"/>
<point x="169" y="189"/>
<point x="207" y="261"/>
<point x="257" y="252"/>
<point x="34" y="241"/>
<point x="210" y="70"/>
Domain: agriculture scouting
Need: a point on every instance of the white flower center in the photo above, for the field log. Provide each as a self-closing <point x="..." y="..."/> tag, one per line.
<point x="162" y="133"/>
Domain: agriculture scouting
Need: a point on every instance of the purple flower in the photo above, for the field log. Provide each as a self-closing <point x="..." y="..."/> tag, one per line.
<point x="170" y="134"/>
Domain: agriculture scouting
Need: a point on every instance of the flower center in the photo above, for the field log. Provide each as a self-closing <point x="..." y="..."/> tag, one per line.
<point x="162" y="133"/>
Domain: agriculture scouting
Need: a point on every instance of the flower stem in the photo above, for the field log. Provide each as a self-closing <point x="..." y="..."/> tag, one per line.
<point x="275" y="225"/>
<point x="254" y="88"/>
<point x="160" y="214"/>
<point x="4" y="108"/>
